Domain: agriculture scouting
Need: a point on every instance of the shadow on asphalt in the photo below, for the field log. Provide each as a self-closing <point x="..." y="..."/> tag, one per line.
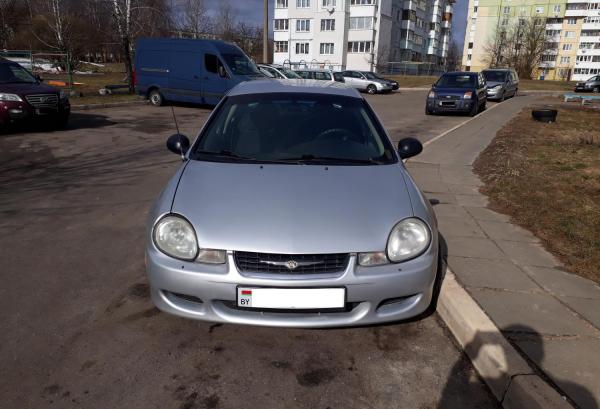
<point x="530" y="344"/>
<point x="77" y="120"/>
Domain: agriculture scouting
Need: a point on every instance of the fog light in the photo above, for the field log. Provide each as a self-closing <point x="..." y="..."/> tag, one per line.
<point x="372" y="259"/>
<point x="212" y="256"/>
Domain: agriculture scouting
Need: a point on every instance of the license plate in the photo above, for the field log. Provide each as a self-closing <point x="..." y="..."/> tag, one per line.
<point x="446" y="104"/>
<point x="291" y="298"/>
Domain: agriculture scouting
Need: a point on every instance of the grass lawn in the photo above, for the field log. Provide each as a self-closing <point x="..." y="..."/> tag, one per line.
<point x="91" y="83"/>
<point x="413" y="81"/>
<point x="547" y="178"/>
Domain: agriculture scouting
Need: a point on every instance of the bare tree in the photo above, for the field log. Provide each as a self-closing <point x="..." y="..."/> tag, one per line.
<point x="121" y="13"/>
<point x="226" y="21"/>
<point x="195" y="18"/>
<point x="495" y="47"/>
<point x="534" y="45"/>
<point x="453" y="58"/>
<point x="8" y="10"/>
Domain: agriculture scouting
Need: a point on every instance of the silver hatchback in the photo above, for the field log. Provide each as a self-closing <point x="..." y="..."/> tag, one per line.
<point x="293" y="208"/>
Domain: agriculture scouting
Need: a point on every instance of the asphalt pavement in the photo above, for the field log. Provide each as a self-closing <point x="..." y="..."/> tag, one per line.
<point x="78" y="329"/>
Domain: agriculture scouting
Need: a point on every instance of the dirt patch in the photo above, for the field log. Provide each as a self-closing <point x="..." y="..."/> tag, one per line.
<point x="547" y="178"/>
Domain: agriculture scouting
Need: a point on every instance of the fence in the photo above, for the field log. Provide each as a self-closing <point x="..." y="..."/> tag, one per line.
<point x="39" y="62"/>
<point x="412" y="68"/>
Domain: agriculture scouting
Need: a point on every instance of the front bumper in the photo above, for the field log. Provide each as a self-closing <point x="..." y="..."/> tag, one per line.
<point x="495" y="93"/>
<point x="445" y="105"/>
<point x="17" y="111"/>
<point x="384" y="87"/>
<point x="373" y="294"/>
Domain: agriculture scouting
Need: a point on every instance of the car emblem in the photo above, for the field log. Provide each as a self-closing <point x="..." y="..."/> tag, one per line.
<point x="291" y="264"/>
<point x="448" y="96"/>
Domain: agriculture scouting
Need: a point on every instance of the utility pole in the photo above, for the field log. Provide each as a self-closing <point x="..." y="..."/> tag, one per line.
<point x="266" y="33"/>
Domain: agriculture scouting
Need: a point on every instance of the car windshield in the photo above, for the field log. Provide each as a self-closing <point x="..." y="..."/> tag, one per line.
<point x="289" y="73"/>
<point x="494" y="76"/>
<point x="241" y="65"/>
<point x="370" y="75"/>
<point x="456" y="81"/>
<point x="13" y="73"/>
<point x="294" y="128"/>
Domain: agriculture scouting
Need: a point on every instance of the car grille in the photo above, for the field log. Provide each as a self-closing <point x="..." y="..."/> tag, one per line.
<point x="449" y="97"/>
<point x="42" y="100"/>
<point x="290" y="263"/>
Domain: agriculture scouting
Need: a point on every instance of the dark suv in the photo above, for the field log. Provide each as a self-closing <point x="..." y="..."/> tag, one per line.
<point x="24" y="97"/>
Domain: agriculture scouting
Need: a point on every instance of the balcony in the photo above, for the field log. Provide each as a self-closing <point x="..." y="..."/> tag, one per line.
<point x="446" y="24"/>
<point x="590" y="26"/>
<point x="547" y="64"/>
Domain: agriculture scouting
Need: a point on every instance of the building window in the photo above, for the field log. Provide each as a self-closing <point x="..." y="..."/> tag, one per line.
<point x="565" y="60"/>
<point x="556" y="8"/>
<point x="326" y="48"/>
<point x="470" y="46"/>
<point x="328" y="24"/>
<point x="567" y="47"/>
<point x="504" y="22"/>
<point x="361" y="23"/>
<point x="475" y="9"/>
<point x="506" y="10"/>
<point x="359" y="47"/>
<point x="571" y="21"/>
<point x="362" y="2"/>
<point x="539" y="9"/>
<point x="302" y="4"/>
<point x="593" y="6"/>
<point x="591" y="19"/>
<point x="328" y="3"/>
<point x="280" y="24"/>
<point x="584" y="58"/>
<point x="301" y="48"/>
<point x="569" y="34"/>
<point x="303" y="26"/>
<point x="281" y="4"/>
<point x="281" y="46"/>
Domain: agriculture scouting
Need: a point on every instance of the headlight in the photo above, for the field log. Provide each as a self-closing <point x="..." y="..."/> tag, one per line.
<point x="408" y="239"/>
<point x="10" y="97"/>
<point x="496" y="87"/>
<point x="431" y="94"/>
<point x="175" y="236"/>
<point x="468" y="95"/>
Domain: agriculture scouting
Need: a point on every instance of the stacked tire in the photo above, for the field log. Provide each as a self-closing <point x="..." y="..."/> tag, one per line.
<point x="544" y="115"/>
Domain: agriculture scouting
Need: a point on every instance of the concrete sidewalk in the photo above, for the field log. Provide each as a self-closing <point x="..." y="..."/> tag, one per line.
<point x="552" y="317"/>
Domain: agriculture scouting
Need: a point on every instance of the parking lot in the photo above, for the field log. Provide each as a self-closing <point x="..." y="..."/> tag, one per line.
<point x="78" y="327"/>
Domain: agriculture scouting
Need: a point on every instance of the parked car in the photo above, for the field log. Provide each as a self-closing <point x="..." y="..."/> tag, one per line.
<point x="393" y="83"/>
<point x="24" y="97"/>
<point x="321" y="75"/>
<point x="277" y="71"/>
<point x="365" y="81"/>
<point x="293" y="208"/>
<point x="592" y="84"/>
<point x="186" y="70"/>
<point x="501" y="83"/>
<point x="457" y="92"/>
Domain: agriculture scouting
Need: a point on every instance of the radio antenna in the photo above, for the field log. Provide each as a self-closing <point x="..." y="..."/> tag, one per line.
<point x="178" y="134"/>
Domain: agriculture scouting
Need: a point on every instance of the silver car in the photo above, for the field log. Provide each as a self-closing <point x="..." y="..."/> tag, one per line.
<point x="292" y="208"/>
<point x="501" y="83"/>
<point x="277" y="71"/>
<point x="367" y="81"/>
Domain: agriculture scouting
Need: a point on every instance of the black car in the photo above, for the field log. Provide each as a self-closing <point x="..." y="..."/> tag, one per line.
<point x="457" y="92"/>
<point x="591" y="85"/>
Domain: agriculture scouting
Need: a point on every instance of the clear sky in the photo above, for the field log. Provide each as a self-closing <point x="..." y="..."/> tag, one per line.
<point x="252" y="12"/>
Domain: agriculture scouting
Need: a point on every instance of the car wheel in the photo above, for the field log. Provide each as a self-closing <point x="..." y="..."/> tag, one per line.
<point x="371" y="89"/>
<point x="483" y="106"/>
<point x="502" y="97"/>
<point x="516" y="92"/>
<point x="596" y="89"/>
<point x="428" y="111"/>
<point x="156" y="98"/>
<point x="61" y="122"/>
<point x="474" y="109"/>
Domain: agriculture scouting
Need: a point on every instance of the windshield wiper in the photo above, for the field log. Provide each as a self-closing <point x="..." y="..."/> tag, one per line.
<point x="231" y="155"/>
<point x="321" y="159"/>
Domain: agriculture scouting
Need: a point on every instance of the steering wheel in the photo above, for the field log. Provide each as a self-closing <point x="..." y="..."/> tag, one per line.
<point x="345" y="132"/>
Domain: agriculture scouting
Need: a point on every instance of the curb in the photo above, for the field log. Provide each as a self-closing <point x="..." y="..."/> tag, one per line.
<point x="86" y="107"/>
<point x="510" y="378"/>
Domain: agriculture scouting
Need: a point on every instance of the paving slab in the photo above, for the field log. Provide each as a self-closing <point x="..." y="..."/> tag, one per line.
<point x="463" y="189"/>
<point x="527" y="254"/>
<point x="562" y="283"/>
<point x="460" y="177"/>
<point x="481" y="213"/>
<point x="433" y="186"/>
<point x="531" y="392"/>
<point x="459" y="227"/>
<point x="473" y="247"/>
<point x="472" y="200"/>
<point x="588" y="308"/>
<point x="482" y="273"/>
<point x="541" y="313"/>
<point x="562" y="361"/>
<point x="449" y="210"/>
<point x="506" y="231"/>
<point x="441" y="198"/>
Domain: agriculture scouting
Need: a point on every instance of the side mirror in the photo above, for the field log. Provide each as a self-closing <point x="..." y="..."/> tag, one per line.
<point x="222" y="72"/>
<point x="409" y="147"/>
<point x="38" y="78"/>
<point x="178" y="143"/>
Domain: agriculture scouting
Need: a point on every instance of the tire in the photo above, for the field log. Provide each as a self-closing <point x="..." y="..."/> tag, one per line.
<point x="516" y="92"/>
<point x="61" y="122"/>
<point x="483" y="106"/>
<point x="475" y="109"/>
<point x="596" y="89"/>
<point x="371" y="89"/>
<point x="544" y="115"/>
<point x="156" y="98"/>
<point x="428" y="111"/>
<point x="501" y="99"/>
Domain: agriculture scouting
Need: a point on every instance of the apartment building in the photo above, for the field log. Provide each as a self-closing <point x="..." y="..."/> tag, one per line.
<point x="572" y="33"/>
<point x="360" y="34"/>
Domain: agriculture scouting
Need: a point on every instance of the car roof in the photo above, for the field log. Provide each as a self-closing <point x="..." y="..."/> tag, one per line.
<point x="498" y="69"/>
<point x="268" y="86"/>
<point x="460" y="73"/>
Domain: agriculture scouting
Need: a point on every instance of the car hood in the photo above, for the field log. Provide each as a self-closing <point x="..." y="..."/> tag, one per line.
<point x="292" y="209"/>
<point x="25" y="89"/>
<point x="451" y="91"/>
<point x="491" y="84"/>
